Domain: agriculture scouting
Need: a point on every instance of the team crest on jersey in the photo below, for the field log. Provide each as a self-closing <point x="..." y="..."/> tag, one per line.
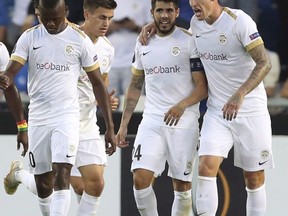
<point x="175" y="50"/>
<point x="69" y="49"/>
<point x="104" y="62"/>
<point x="222" y="38"/>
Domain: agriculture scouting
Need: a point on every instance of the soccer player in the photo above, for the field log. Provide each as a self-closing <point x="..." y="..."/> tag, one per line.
<point x="91" y="157"/>
<point x="235" y="62"/>
<point x="56" y="51"/>
<point x="175" y="84"/>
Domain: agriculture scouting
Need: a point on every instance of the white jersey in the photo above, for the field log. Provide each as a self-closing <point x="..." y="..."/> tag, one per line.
<point x="4" y="57"/>
<point x="55" y="62"/>
<point x="165" y="61"/>
<point x="223" y="48"/>
<point x="88" y="118"/>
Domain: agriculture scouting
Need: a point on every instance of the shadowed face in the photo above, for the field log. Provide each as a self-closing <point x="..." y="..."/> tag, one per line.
<point x="53" y="19"/>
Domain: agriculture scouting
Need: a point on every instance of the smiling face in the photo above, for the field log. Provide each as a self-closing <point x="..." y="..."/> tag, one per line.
<point x="165" y="14"/>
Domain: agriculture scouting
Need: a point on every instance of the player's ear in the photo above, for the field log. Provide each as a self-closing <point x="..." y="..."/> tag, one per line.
<point x="66" y="11"/>
<point x="178" y="12"/>
<point x="86" y="14"/>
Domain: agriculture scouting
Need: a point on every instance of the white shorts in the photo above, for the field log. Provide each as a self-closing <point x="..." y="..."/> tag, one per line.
<point x="52" y="144"/>
<point x="154" y="145"/>
<point x="250" y="136"/>
<point x="91" y="150"/>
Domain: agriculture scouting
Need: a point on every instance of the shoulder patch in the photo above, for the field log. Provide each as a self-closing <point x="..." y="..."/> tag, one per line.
<point x="76" y="28"/>
<point x="230" y="13"/>
<point x="107" y="40"/>
<point x="33" y="28"/>
<point x="185" y="31"/>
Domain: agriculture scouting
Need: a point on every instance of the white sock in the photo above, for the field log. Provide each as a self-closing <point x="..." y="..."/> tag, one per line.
<point x="256" y="201"/>
<point x="60" y="203"/>
<point x="146" y="201"/>
<point x="182" y="204"/>
<point x="206" y="196"/>
<point x="78" y="197"/>
<point x="44" y="204"/>
<point x="27" y="179"/>
<point x="88" y="205"/>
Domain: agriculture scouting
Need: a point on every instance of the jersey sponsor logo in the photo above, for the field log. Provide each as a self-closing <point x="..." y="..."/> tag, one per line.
<point x="162" y="70"/>
<point x="35" y="48"/>
<point x="213" y="57"/>
<point x="254" y="36"/>
<point x="53" y="67"/>
<point x="175" y="50"/>
<point x="222" y="38"/>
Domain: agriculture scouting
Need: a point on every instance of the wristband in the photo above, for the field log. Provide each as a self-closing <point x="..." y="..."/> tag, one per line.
<point x="22" y="126"/>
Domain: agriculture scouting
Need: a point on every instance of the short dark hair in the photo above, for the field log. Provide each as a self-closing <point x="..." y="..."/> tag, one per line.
<point x="93" y="4"/>
<point x="153" y="2"/>
<point x="36" y="3"/>
<point x="49" y="3"/>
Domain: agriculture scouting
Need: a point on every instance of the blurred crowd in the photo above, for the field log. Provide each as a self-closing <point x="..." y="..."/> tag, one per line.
<point x="270" y="15"/>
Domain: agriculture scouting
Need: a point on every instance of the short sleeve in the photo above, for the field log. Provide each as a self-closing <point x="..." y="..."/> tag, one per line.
<point x="89" y="57"/>
<point x="20" y="52"/>
<point x="137" y="67"/>
<point x="247" y="32"/>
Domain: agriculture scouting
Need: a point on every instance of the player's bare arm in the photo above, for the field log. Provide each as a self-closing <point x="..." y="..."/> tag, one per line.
<point x="262" y="68"/>
<point x="131" y="99"/>
<point x="14" y="102"/>
<point x="102" y="97"/>
<point x="200" y="92"/>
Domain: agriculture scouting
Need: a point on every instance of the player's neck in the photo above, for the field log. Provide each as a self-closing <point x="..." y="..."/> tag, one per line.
<point x="93" y="37"/>
<point x="161" y="34"/>
<point x="215" y="14"/>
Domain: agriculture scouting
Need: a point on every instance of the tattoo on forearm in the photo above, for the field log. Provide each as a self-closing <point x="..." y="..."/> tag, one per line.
<point x="137" y="82"/>
<point x="263" y="66"/>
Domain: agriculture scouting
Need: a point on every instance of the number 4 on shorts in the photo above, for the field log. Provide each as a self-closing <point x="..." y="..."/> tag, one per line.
<point x="137" y="152"/>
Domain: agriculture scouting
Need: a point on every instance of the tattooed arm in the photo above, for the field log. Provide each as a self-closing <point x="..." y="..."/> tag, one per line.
<point x="131" y="99"/>
<point x="262" y="68"/>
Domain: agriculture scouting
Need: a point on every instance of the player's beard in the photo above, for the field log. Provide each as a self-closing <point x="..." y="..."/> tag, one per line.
<point x="167" y="30"/>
